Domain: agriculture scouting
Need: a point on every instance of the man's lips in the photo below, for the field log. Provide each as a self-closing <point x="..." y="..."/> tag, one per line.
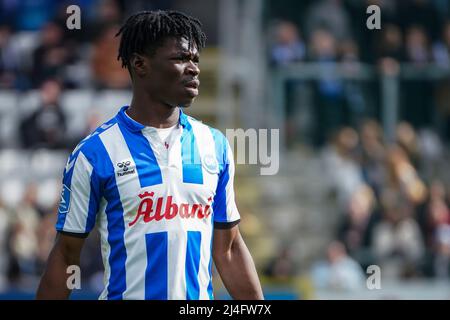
<point x="192" y="84"/>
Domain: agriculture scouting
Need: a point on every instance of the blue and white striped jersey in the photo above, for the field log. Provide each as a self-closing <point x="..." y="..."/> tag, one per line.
<point x="155" y="205"/>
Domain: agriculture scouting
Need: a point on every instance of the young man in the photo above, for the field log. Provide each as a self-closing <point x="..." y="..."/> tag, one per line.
<point x="158" y="183"/>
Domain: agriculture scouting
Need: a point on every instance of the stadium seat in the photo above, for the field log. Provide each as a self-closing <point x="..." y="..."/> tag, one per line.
<point x="45" y="164"/>
<point x="48" y="193"/>
<point x="76" y="104"/>
<point x="8" y="119"/>
<point x="108" y="102"/>
<point x="28" y="102"/>
<point x="25" y="43"/>
<point x="12" y="192"/>
<point x="13" y="163"/>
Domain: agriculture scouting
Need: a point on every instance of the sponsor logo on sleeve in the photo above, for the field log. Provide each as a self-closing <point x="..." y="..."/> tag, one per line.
<point x="64" y="204"/>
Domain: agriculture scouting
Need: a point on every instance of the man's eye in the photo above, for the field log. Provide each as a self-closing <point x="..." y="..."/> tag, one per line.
<point x="186" y="58"/>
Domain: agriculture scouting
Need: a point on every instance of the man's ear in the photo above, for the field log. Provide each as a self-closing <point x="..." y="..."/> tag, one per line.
<point x="139" y="65"/>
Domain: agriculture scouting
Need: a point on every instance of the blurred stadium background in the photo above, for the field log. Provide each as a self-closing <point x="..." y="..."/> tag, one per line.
<point x="364" y="119"/>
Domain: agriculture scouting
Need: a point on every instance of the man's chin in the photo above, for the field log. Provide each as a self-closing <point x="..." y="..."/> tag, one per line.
<point x="187" y="103"/>
<point x="181" y="103"/>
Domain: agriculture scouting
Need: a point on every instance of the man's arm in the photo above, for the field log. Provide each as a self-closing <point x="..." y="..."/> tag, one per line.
<point x="65" y="252"/>
<point x="235" y="265"/>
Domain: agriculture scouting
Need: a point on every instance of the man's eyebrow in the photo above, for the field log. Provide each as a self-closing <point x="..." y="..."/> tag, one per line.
<point x="186" y="52"/>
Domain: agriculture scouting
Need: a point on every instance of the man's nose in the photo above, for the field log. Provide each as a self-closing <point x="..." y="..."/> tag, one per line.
<point x="193" y="69"/>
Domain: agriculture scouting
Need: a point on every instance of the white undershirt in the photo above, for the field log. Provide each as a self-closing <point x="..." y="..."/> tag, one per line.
<point x="163" y="133"/>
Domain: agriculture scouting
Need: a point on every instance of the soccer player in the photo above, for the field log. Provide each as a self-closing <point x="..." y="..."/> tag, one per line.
<point x="157" y="183"/>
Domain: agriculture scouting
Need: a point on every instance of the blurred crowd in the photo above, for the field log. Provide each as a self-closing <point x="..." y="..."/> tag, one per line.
<point x="391" y="193"/>
<point x="391" y="207"/>
<point x="393" y="201"/>
<point x="35" y="43"/>
<point x="414" y="33"/>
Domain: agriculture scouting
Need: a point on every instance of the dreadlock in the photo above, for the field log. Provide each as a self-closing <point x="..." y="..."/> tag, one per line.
<point x="145" y="31"/>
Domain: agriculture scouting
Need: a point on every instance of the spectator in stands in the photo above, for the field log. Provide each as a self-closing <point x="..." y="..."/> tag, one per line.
<point x="365" y="36"/>
<point x="5" y="225"/>
<point x="397" y="241"/>
<point x="406" y="138"/>
<point x="281" y="267"/>
<point x="357" y="106"/>
<point x="417" y="108"/>
<point x="341" y="167"/>
<point x="9" y="59"/>
<point x="388" y="50"/>
<point x="417" y="46"/>
<point x="51" y="55"/>
<point x="107" y="71"/>
<point x="437" y="211"/>
<point x="389" y="45"/>
<point x="339" y="271"/>
<point x="24" y="240"/>
<point x="403" y="177"/>
<point x="441" y="48"/>
<point x="323" y="46"/>
<point x="421" y="13"/>
<point x="349" y="51"/>
<point x="46" y="236"/>
<point x="46" y="127"/>
<point x="442" y="259"/>
<point x="338" y="23"/>
<point x="432" y="149"/>
<point x="106" y="13"/>
<point x="356" y="228"/>
<point x="109" y="12"/>
<point x="288" y="45"/>
<point x="434" y="218"/>
<point x="441" y="55"/>
<point x="329" y="95"/>
<point x="371" y="155"/>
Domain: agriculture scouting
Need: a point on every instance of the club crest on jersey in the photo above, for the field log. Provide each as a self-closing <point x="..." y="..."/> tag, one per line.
<point x="210" y="163"/>
<point x="125" y="167"/>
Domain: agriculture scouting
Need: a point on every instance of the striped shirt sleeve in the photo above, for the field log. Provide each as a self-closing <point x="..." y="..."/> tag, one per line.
<point x="79" y="197"/>
<point x="226" y="214"/>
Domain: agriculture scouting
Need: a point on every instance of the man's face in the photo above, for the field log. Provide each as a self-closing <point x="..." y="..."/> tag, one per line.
<point x="172" y="73"/>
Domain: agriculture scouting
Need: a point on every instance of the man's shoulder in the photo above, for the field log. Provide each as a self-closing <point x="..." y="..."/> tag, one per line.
<point x="217" y="134"/>
<point x="90" y="144"/>
<point x="220" y="142"/>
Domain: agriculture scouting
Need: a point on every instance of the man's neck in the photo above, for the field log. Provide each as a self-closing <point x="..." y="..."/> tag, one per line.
<point x="148" y="112"/>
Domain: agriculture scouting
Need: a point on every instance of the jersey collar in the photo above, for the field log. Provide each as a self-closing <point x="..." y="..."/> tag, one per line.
<point x="135" y="126"/>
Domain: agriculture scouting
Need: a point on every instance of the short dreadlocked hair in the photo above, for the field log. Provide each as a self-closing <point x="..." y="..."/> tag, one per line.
<point x="145" y="31"/>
